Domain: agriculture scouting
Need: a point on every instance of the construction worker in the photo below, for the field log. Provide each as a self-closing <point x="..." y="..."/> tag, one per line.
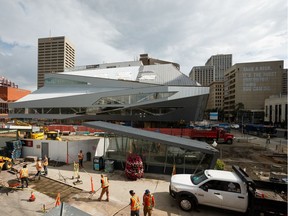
<point x="45" y="165"/>
<point x="32" y="197"/>
<point x="105" y="187"/>
<point x="80" y="158"/>
<point x="24" y="174"/>
<point x="148" y="202"/>
<point x="268" y="139"/>
<point x="38" y="168"/>
<point x="134" y="204"/>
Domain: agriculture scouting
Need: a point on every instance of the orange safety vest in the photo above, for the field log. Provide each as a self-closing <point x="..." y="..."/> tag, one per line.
<point x="45" y="162"/>
<point x="80" y="156"/>
<point x="149" y="200"/>
<point x="24" y="173"/>
<point x="135" y="203"/>
<point x="104" y="182"/>
<point x="38" y="166"/>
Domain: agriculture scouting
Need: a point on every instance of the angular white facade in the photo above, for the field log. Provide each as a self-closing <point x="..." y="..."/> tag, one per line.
<point x="155" y="93"/>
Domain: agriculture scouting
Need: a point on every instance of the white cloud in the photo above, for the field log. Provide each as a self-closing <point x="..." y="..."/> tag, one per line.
<point x="185" y="31"/>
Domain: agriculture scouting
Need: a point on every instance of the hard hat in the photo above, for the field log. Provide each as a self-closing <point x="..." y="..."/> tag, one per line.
<point x="147" y="191"/>
<point x="131" y="192"/>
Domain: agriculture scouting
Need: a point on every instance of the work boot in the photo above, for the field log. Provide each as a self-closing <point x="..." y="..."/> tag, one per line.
<point x="99" y="199"/>
<point x="107" y="199"/>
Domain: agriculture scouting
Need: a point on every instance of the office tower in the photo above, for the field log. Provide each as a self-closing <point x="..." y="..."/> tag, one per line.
<point x="54" y="55"/>
<point x="203" y="75"/>
<point x="221" y="63"/>
<point x="251" y="83"/>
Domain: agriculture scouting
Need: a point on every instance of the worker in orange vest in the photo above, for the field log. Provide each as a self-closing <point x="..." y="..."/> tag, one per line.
<point x="32" y="197"/>
<point x="105" y="187"/>
<point x="134" y="203"/>
<point x="148" y="202"/>
<point x="45" y="165"/>
<point x="80" y="158"/>
<point x="24" y="174"/>
<point x="38" y="168"/>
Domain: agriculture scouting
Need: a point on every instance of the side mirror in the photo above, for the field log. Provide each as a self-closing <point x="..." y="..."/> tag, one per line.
<point x="204" y="187"/>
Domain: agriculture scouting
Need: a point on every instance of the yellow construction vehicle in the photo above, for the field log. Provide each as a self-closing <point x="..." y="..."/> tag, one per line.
<point x="53" y="135"/>
<point x="5" y="163"/>
<point x="35" y="135"/>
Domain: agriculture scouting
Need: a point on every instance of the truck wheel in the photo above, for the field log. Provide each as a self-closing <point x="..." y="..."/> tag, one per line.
<point x="229" y="141"/>
<point x="186" y="203"/>
<point x="8" y="165"/>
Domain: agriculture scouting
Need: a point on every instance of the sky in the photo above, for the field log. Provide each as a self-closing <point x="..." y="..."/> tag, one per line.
<point x="187" y="32"/>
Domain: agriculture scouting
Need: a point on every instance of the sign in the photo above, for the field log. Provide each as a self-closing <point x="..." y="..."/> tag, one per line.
<point x="27" y="143"/>
<point x="213" y="115"/>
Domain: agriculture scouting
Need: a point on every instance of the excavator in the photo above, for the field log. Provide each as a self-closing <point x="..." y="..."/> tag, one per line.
<point x="53" y="135"/>
<point x="5" y="163"/>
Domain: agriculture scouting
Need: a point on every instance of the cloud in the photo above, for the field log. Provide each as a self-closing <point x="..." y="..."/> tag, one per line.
<point x="184" y="31"/>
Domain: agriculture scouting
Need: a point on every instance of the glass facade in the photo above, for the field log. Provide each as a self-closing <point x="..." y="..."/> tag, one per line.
<point x="157" y="157"/>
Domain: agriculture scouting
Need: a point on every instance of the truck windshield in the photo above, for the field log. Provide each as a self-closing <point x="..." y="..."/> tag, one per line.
<point x="198" y="178"/>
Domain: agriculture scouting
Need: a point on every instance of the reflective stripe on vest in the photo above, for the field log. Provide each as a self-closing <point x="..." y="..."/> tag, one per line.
<point x="24" y="173"/>
<point x="135" y="203"/>
<point x="104" y="181"/>
<point x="148" y="201"/>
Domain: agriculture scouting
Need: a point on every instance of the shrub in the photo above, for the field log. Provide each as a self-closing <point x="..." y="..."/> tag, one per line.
<point x="220" y="165"/>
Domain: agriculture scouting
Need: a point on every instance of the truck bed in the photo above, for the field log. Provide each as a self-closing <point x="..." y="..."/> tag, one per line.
<point x="269" y="198"/>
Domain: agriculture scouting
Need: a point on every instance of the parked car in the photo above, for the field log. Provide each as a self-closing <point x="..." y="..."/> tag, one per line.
<point x="235" y="126"/>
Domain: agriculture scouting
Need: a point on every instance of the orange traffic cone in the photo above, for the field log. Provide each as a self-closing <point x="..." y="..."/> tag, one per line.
<point x="58" y="202"/>
<point x="92" y="185"/>
<point x="174" y="169"/>
<point x="32" y="197"/>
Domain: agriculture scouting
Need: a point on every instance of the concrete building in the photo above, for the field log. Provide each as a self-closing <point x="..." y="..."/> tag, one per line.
<point x="276" y="110"/>
<point x="54" y="55"/>
<point x="203" y="74"/>
<point x="250" y="84"/>
<point x="221" y="63"/>
<point x="284" y="82"/>
<point x="137" y="95"/>
<point x="216" y="96"/>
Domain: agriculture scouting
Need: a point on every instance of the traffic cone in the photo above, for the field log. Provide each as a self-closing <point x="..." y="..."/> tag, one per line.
<point x="92" y="185"/>
<point x="58" y="202"/>
<point x="32" y="197"/>
<point x="174" y="169"/>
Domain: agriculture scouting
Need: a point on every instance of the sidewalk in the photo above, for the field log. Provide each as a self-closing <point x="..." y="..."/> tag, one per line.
<point x="119" y="194"/>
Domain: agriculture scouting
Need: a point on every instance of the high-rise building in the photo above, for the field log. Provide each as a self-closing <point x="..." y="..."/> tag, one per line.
<point x="54" y="55"/>
<point x="203" y="74"/>
<point x="221" y="63"/>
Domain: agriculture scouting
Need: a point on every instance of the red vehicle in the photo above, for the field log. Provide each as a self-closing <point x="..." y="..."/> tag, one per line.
<point x="209" y="135"/>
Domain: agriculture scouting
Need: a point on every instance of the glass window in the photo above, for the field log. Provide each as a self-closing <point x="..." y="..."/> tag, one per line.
<point x="223" y="186"/>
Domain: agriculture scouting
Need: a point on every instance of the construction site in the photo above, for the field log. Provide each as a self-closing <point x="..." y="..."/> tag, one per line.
<point x="79" y="189"/>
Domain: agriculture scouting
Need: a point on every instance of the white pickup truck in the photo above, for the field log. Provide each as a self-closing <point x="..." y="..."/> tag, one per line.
<point x="223" y="189"/>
